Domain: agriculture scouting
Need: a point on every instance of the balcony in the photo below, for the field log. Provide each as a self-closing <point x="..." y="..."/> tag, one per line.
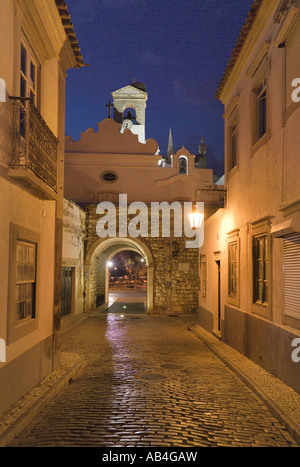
<point x="33" y="150"/>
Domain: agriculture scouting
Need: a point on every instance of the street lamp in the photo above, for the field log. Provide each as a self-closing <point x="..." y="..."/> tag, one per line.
<point x="195" y="217"/>
<point x="110" y="264"/>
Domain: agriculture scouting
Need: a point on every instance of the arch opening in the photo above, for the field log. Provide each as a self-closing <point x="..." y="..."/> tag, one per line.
<point x="127" y="281"/>
<point x="99" y="264"/>
<point x="183" y="165"/>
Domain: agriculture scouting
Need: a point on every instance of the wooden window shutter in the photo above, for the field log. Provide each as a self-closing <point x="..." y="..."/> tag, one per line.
<point x="291" y="273"/>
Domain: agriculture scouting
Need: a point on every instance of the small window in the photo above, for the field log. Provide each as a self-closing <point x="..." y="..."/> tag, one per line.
<point x="28" y="74"/>
<point x="23" y="291"/>
<point x="233" y="146"/>
<point x="260" y="270"/>
<point x="25" y="280"/>
<point x="183" y="165"/>
<point x="109" y="177"/>
<point x="233" y="269"/>
<point x="291" y="268"/>
<point x="204" y="279"/>
<point x="261" y="109"/>
<point x="232" y="133"/>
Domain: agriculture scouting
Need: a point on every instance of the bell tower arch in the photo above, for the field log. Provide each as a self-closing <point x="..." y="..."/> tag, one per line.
<point x="130" y="108"/>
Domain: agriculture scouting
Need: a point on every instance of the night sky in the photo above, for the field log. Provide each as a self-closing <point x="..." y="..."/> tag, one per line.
<point x="178" y="48"/>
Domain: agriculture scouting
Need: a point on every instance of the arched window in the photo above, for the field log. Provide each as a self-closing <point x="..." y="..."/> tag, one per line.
<point x="109" y="176"/>
<point x="183" y="165"/>
<point x="129" y="114"/>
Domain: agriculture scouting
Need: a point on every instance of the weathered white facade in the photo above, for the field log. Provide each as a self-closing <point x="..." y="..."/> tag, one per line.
<point x="257" y="237"/>
<point x="74" y="231"/>
<point x="35" y="53"/>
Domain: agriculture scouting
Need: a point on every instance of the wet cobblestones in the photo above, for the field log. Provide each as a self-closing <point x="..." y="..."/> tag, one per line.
<point x="150" y="382"/>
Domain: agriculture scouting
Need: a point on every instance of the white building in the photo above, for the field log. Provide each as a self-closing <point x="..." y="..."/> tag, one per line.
<point x="38" y="45"/>
<point x="250" y="262"/>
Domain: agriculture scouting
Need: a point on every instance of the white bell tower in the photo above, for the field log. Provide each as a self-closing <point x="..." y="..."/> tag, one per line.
<point x="130" y="108"/>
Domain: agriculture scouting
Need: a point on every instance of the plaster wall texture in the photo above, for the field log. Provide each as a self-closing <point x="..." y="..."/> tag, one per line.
<point x="73" y="249"/>
<point x="263" y="190"/>
<point x="28" y="205"/>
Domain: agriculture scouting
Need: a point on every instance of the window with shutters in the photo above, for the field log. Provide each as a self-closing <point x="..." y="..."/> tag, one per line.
<point x="260" y="103"/>
<point x="29" y="73"/>
<point x="261" y="268"/>
<point x="260" y="271"/>
<point x="23" y="282"/>
<point x="204" y="278"/>
<point x="232" y="141"/>
<point x="291" y="275"/>
<point x="233" y="269"/>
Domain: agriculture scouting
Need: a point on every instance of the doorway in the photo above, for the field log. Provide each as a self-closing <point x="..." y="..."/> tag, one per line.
<point x="67" y="290"/>
<point x="127" y="282"/>
<point x="98" y="255"/>
<point x="218" y="263"/>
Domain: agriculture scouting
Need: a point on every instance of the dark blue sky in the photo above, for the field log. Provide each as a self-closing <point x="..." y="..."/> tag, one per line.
<point x="178" y="48"/>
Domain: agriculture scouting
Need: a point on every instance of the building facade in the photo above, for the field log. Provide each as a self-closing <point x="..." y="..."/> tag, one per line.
<point x="250" y="268"/>
<point x="38" y="46"/>
<point x="117" y="160"/>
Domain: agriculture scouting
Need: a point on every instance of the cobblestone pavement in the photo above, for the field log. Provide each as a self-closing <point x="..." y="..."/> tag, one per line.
<point x="148" y="381"/>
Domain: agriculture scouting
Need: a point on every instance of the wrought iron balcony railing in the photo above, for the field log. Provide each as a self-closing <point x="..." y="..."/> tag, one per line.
<point x="33" y="145"/>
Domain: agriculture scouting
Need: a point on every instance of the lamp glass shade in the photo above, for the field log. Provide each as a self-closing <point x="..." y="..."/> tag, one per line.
<point x="195" y="219"/>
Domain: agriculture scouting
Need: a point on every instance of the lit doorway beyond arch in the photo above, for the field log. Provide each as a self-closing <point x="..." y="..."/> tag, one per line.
<point x="127" y="282"/>
<point x="97" y="274"/>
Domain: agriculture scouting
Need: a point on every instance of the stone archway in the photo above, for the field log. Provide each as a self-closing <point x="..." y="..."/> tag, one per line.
<point x="103" y="249"/>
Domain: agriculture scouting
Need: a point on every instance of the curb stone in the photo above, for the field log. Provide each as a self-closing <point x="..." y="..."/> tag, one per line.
<point x="282" y="401"/>
<point x="29" y="406"/>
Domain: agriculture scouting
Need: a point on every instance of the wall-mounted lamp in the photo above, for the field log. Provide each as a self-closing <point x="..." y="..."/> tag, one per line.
<point x="196" y="218"/>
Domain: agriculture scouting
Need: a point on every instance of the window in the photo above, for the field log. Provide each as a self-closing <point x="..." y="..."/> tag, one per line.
<point x="28" y="74"/>
<point x="183" y="165"/>
<point x="25" y="280"/>
<point x="291" y="271"/>
<point x="233" y="270"/>
<point x="233" y="240"/>
<point x="109" y="177"/>
<point x="231" y="117"/>
<point x="259" y="71"/>
<point x="261" y="109"/>
<point x="260" y="249"/>
<point x="204" y="278"/>
<point x="233" y="146"/>
<point x="260" y="270"/>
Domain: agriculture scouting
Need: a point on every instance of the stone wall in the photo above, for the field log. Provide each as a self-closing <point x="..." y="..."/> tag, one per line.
<point x="73" y="249"/>
<point x="175" y="268"/>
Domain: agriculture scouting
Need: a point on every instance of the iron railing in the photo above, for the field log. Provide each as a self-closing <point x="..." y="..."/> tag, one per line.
<point x="33" y="145"/>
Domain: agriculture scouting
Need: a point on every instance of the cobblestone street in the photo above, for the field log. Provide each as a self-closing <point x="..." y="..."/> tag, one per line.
<point x="148" y="381"/>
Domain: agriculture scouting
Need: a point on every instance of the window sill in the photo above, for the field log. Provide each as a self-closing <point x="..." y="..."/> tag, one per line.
<point x="232" y="171"/>
<point x="261" y="310"/>
<point x="260" y="143"/>
<point x="235" y="301"/>
<point x="289" y="111"/>
<point x="21" y="329"/>
<point x="292" y="322"/>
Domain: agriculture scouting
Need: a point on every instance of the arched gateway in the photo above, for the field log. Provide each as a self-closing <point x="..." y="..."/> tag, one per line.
<point x="115" y="162"/>
<point x="96" y="272"/>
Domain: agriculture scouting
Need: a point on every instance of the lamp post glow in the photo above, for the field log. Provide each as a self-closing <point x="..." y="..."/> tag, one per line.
<point x="110" y="264"/>
<point x="195" y="218"/>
